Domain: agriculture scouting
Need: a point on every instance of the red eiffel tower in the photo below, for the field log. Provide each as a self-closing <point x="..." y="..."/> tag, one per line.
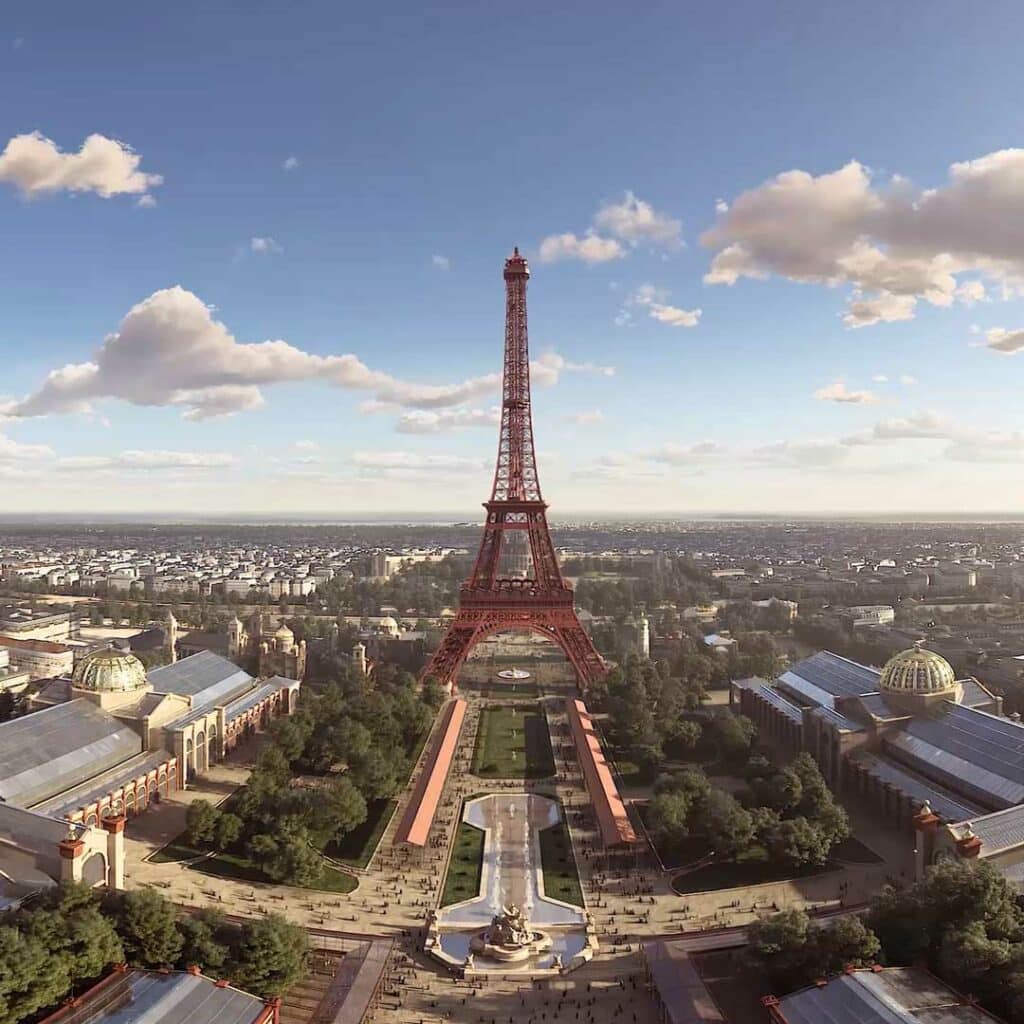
<point x="516" y="582"/>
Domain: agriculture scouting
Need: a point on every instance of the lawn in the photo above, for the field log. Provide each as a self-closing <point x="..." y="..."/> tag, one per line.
<point x="357" y="847"/>
<point x="513" y="743"/>
<point x="561" y="881"/>
<point x="463" y="879"/>
<point x="730" y="874"/>
<point x="234" y="866"/>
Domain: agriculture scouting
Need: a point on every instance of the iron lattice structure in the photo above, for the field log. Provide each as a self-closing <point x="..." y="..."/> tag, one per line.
<point x="532" y="595"/>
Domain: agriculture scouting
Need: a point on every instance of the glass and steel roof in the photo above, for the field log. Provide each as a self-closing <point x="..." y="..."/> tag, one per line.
<point x="205" y="677"/>
<point x="824" y="676"/>
<point x="51" y="750"/>
<point x="175" y="998"/>
<point x="896" y="995"/>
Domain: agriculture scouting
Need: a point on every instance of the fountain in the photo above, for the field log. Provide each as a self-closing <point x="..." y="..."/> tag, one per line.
<point x="509" y="937"/>
<point x="515" y="674"/>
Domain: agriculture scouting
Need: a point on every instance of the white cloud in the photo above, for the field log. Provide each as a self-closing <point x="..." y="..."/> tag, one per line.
<point x="591" y="248"/>
<point x="651" y="299"/>
<point x="290" y="163"/>
<point x="809" y="453"/>
<point x="403" y="465"/>
<point x="908" y="380"/>
<point x="588" y="418"/>
<point x="107" y="167"/>
<point x="880" y="378"/>
<point x="146" y="202"/>
<point x="1009" y="343"/>
<point x="971" y="292"/>
<point x="305" y="445"/>
<point x="441" y="262"/>
<point x="147" y="460"/>
<point x="169" y="351"/>
<point x="546" y="369"/>
<point x="11" y="450"/>
<point x="894" y="245"/>
<point x="839" y="392"/>
<point x="886" y="308"/>
<point x="929" y="425"/>
<point x="265" y="245"/>
<point x="634" y="221"/>
<point x="427" y="421"/>
<point x="615" y="226"/>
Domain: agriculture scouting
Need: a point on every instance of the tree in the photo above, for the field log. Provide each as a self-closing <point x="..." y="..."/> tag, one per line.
<point x="374" y="774"/>
<point x="31" y="978"/>
<point x="274" y="763"/>
<point x="227" y="831"/>
<point x="147" y="924"/>
<point x="796" y="842"/>
<point x="735" y="735"/>
<point x="290" y="735"/>
<point x="434" y="694"/>
<point x="77" y="933"/>
<point x="844" y="942"/>
<point x="727" y="824"/>
<point x="668" y="817"/>
<point x="201" y="821"/>
<point x="204" y="938"/>
<point x="343" y="808"/>
<point x="777" y="945"/>
<point x="793" y="952"/>
<point x="287" y="857"/>
<point x="685" y="733"/>
<point x="269" y="956"/>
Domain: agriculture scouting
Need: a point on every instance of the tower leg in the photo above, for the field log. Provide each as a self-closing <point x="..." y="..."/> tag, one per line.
<point x="559" y="625"/>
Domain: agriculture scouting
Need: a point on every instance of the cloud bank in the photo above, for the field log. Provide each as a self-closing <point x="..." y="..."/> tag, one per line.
<point x="892" y="244"/>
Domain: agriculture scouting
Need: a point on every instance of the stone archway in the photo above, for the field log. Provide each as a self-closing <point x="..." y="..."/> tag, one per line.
<point x="189" y="761"/>
<point x="94" y="870"/>
<point x="201" y="762"/>
<point x="213" y="746"/>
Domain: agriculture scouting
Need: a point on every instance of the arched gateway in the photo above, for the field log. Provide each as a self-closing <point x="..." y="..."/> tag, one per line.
<point x="516" y="582"/>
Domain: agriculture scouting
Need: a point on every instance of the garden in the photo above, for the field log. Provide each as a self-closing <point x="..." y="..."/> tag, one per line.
<point x="513" y="743"/>
<point x="323" y="788"/>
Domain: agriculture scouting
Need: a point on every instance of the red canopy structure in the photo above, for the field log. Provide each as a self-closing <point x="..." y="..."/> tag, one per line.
<point x="419" y="815"/>
<point x="616" y="829"/>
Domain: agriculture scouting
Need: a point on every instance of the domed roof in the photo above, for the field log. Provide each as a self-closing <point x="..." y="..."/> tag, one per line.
<point x="918" y="671"/>
<point x="109" y="671"/>
<point x="284" y="631"/>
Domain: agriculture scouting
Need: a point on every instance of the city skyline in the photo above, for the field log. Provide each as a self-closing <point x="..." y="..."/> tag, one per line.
<point x="266" y="278"/>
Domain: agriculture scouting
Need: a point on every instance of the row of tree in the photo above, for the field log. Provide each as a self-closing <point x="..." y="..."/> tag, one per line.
<point x="348" y="746"/>
<point x="71" y="936"/>
<point x="785" y="816"/>
<point x="963" y="920"/>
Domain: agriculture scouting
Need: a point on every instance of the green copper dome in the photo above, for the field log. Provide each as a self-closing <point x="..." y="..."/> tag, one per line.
<point x="109" y="672"/>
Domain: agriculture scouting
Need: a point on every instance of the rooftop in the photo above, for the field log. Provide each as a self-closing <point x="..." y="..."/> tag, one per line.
<point x="205" y="677"/>
<point x="891" y="995"/>
<point x="48" y="751"/>
<point x="152" y="997"/>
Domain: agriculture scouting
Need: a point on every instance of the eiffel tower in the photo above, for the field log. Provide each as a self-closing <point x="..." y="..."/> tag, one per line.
<point x="516" y="582"/>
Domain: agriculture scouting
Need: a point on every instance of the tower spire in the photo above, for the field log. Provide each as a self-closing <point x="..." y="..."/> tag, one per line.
<point x="524" y="589"/>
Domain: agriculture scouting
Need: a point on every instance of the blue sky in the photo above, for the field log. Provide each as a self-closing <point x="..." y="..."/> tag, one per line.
<point x="348" y="179"/>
